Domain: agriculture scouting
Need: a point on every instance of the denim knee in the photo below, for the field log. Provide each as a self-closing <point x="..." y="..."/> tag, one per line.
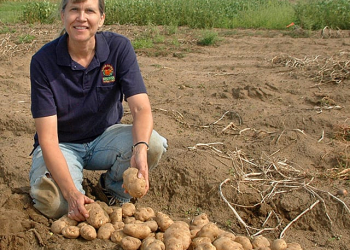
<point x="158" y="146"/>
<point x="48" y="198"/>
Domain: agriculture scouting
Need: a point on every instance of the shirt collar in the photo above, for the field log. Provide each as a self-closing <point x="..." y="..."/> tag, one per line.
<point x="64" y="59"/>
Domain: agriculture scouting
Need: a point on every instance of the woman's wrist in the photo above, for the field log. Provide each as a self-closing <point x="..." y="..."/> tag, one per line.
<point x="140" y="144"/>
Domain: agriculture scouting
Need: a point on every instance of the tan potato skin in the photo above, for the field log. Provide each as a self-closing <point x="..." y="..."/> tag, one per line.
<point x="105" y="231"/>
<point x="71" y="232"/>
<point x="200" y="241"/>
<point x="199" y="221"/>
<point x="205" y="246"/>
<point x="117" y="236"/>
<point x="116" y="215"/>
<point x="139" y="231"/>
<point x="57" y="226"/>
<point x="209" y="230"/>
<point x="130" y="243"/>
<point x="163" y="220"/>
<point x="135" y="186"/>
<point x="244" y="241"/>
<point x="224" y="243"/>
<point x="68" y="221"/>
<point x="151" y="243"/>
<point x="128" y="209"/>
<point x="144" y="213"/>
<point x="97" y="216"/>
<point x="153" y="225"/>
<point x="177" y="236"/>
<point x="260" y="241"/>
<point x="279" y="244"/>
<point x="88" y="232"/>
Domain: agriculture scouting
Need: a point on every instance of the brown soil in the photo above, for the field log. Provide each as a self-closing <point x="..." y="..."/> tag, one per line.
<point x="265" y="101"/>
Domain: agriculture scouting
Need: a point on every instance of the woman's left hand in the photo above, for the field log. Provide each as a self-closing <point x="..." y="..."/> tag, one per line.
<point x="139" y="161"/>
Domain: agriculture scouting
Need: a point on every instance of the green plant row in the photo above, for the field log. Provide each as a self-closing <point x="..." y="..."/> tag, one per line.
<point x="316" y="14"/>
<point x="268" y="14"/>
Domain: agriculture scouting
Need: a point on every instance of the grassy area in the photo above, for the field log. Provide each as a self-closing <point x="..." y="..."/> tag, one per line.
<point x="272" y="14"/>
<point x="10" y="11"/>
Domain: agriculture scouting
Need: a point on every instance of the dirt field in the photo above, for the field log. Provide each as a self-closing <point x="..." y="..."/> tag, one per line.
<point x="266" y="110"/>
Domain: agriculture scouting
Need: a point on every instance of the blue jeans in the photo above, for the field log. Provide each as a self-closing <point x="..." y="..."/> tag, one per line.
<point x="110" y="151"/>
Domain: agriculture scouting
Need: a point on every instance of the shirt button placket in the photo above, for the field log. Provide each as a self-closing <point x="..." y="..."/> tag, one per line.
<point x="86" y="79"/>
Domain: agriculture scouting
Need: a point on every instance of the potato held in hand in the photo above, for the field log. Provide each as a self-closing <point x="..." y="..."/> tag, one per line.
<point x="135" y="186"/>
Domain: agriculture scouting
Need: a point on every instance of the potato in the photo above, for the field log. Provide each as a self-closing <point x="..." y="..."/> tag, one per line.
<point x="177" y="236"/>
<point x="97" y="216"/>
<point x="118" y="225"/>
<point x="81" y="224"/>
<point x="151" y="243"/>
<point x="199" y="241"/>
<point x="138" y="222"/>
<point x="194" y="233"/>
<point x="153" y="225"/>
<point x="146" y="242"/>
<point x="88" y="232"/>
<point x="224" y="243"/>
<point x="117" y="236"/>
<point x="144" y="213"/>
<point x="174" y="244"/>
<point x="156" y="245"/>
<point x="57" y="226"/>
<point x="293" y="246"/>
<point x="244" y="241"/>
<point x="210" y="230"/>
<point x="129" y="220"/>
<point x="128" y="209"/>
<point x="199" y="221"/>
<point x="279" y="244"/>
<point x="260" y="241"/>
<point x="135" y="186"/>
<point x="71" y="232"/>
<point x="105" y="231"/>
<point x="139" y="231"/>
<point x="68" y="221"/>
<point x="130" y="243"/>
<point x="160" y="236"/>
<point x="105" y="207"/>
<point x="205" y="246"/>
<point x="228" y="235"/>
<point x="163" y="220"/>
<point x="116" y="215"/>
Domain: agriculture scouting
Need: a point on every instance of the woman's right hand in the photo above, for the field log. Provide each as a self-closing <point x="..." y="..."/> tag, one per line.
<point x="76" y="206"/>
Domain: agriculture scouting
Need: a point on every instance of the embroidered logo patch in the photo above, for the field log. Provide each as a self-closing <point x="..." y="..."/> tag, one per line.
<point x="108" y="74"/>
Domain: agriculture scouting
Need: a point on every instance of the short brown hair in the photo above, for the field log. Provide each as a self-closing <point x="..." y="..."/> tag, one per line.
<point x="101" y="4"/>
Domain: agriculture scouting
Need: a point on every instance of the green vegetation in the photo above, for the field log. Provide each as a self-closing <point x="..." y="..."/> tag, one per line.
<point x="40" y="12"/>
<point x="199" y="13"/>
<point x="25" y="39"/>
<point x="204" y="14"/>
<point x="10" y="12"/>
<point x="208" y="38"/>
<point x="316" y="14"/>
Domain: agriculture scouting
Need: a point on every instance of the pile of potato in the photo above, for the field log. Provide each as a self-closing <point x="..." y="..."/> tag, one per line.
<point x="142" y="228"/>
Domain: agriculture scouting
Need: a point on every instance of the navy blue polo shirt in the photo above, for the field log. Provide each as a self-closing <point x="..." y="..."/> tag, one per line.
<point x="85" y="100"/>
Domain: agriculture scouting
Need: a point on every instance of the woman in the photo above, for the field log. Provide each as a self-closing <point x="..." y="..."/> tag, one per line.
<point x="78" y="83"/>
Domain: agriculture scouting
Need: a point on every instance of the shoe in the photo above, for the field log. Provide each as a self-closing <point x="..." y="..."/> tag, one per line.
<point x="104" y="195"/>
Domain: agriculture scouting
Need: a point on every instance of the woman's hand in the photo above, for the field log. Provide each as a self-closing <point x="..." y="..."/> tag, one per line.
<point x="139" y="161"/>
<point x="76" y="206"/>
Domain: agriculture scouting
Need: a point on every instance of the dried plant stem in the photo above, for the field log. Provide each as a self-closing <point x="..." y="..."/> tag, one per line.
<point x="247" y="228"/>
<point x="298" y="217"/>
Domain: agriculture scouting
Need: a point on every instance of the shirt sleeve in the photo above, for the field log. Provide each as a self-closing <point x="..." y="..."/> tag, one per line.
<point x="42" y="100"/>
<point x="128" y="73"/>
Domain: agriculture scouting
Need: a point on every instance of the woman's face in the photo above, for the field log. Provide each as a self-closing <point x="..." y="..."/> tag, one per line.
<point x="82" y="20"/>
